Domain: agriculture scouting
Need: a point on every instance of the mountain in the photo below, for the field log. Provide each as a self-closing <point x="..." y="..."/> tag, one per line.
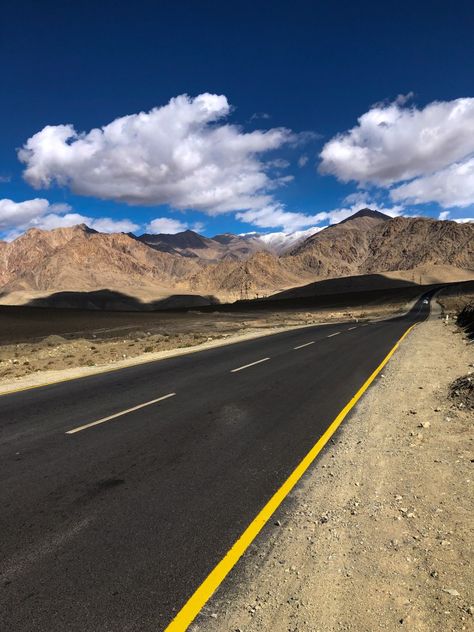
<point x="223" y="247"/>
<point x="371" y="216"/>
<point x="192" y="245"/>
<point x="228" y="266"/>
<point x="80" y="258"/>
<point x="371" y="242"/>
<point x="186" y="244"/>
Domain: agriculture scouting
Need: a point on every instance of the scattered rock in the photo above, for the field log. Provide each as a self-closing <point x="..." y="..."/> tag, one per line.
<point x="451" y="591"/>
<point x="462" y="392"/>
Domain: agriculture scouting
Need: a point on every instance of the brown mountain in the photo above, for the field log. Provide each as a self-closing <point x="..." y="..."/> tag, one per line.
<point x="190" y="244"/>
<point x="370" y="242"/>
<point x="81" y="259"/>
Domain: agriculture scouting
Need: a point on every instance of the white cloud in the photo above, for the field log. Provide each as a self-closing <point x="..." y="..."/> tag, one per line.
<point x="260" y="115"/>
<point x="451" y="187"/>
<point x="392" y="143"/>
<point x="303" y="160"/>
<point x="443" y="215"/>
<point x="16" y="214"/>
<point x="166" y="225"/>
<point x="274" y="215"/>
<point x="181" y="154"/>
<point x="16" y="217"/>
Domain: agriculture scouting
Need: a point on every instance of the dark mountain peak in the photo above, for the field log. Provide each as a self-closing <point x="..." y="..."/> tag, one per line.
<point x="185" y="239"/>
<point x="367" y="212"/>
<point x="224" y="238"/>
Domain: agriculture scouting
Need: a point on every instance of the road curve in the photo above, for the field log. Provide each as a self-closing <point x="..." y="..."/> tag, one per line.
<point x="120" y="492"/>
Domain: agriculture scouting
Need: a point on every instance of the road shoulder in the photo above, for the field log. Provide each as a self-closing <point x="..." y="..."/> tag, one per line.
<point x="377" y="535"/>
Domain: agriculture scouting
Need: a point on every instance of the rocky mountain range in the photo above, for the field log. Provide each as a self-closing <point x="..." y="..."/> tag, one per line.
<point x="228" y="247"/>
<point x="228" y="267"/>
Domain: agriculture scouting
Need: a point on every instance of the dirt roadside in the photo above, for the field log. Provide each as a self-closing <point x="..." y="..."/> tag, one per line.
<point x="379" y="533"/>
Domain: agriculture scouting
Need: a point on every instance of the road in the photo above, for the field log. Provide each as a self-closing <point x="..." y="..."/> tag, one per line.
<point x="112" y="526"/>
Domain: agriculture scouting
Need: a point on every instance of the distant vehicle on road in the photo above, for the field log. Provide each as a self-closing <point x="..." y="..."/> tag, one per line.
<point x="425" y="301"/>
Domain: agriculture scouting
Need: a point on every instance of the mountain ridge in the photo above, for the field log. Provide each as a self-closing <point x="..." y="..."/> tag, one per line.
<point x="82" y="259"/>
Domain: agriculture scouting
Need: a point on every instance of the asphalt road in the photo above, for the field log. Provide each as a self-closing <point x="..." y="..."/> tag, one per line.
<point x="112" y="527"/>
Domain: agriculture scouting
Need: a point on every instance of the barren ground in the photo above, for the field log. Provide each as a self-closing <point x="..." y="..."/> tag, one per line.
<point x="379" y="534"/>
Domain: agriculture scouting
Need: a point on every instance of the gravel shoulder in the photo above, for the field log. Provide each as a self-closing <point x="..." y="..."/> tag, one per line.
<point x="379" y="533"/>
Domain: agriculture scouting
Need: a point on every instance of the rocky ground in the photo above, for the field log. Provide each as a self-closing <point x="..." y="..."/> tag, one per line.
<point x="379" y="534"/>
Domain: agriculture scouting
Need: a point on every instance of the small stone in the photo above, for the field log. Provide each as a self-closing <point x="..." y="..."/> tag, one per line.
<point x="434" y="573"/>
<point x="437" y="409"/>
<point x="471" y="610"/>
<point x="324" y="518"/>
<point x="424" y="424"/>
<point x="277" y="523"/>
<point x="214" y="615"/>
<point x="448" y="419"/>
<point x="451" y="591"/>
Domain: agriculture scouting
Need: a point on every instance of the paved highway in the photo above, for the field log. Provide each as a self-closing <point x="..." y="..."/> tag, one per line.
<point x="122" y="491"/>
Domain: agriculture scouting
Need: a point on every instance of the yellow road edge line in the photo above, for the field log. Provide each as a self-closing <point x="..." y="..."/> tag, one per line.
<point x="204" y="592"/>
<point x="120" y="414"/>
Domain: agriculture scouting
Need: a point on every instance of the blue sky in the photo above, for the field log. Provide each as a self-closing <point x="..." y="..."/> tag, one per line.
<point x="275" y="141"/>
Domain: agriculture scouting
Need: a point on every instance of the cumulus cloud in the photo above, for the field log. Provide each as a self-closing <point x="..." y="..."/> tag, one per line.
<point x="451" y="187"/>
<point x="166" y="225"/>
<point x="16" y="214"/>
<point x="303" y="160"/>
<point x="182" y="154"/>
<point x="392" y="143"/>
<point x="420" y="155"/>
<point x="16" y="217"/>
<point x="443" y="215"/>
<point x="275" y="215"/>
